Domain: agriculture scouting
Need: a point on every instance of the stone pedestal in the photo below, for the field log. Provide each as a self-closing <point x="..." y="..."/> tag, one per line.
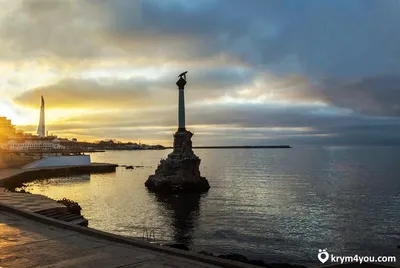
<point x="179" y="173"/>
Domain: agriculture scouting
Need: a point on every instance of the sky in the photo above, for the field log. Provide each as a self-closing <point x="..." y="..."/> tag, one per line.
<point x="260" y="72"/>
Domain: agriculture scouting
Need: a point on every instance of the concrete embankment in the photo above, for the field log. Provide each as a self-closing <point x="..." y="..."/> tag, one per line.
<point x="59" y="244"/>
<point x="12" y="160"/>
<point x="13" y="178"/>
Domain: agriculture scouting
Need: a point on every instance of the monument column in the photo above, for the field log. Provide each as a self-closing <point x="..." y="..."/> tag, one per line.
<point x="180" y="172"/>
<point x="181" y="104"/>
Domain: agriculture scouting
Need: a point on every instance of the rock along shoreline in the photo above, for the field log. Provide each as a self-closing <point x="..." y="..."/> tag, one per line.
<point x="239" y="258"/>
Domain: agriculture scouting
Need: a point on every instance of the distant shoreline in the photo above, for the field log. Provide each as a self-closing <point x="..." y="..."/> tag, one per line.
<point x="241" y="147"/>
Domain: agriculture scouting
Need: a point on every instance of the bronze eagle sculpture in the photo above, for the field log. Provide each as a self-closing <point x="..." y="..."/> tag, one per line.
<point x="183" y="75"/>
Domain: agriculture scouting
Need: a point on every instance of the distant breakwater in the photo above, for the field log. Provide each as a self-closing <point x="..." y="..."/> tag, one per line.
<point x="242" y="147"/>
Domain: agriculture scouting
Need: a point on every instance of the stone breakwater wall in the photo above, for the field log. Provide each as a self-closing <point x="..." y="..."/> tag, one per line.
<point x="12" y="160"/>
<point x="24" y="176"/>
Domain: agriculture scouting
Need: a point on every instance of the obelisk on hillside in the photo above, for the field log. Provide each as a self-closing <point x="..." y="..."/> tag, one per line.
<point x="42" y="128"/>
<point x="179" y="173"/>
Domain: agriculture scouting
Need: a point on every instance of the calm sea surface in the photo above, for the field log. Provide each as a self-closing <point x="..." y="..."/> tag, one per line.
<point x="276" y="205"/>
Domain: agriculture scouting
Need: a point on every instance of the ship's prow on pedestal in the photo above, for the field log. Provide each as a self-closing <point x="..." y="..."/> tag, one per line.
<point x="180" y="172"/>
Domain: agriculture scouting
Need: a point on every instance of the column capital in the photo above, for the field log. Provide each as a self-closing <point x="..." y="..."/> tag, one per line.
<point x="181" y="83"/>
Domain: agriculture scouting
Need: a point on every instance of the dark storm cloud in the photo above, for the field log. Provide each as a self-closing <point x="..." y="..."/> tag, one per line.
<point x="377" y="95"/>
<point x="318" y="38"/>
<point x="331" y="42"/>
<point x="45" y="28"/>
<point x="329" y="38"/>
<point x="372" y="95"/>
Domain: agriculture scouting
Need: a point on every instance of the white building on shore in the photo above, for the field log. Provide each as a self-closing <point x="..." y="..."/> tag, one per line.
<point x="7" y="131"/>
<point x="36" y="144"/>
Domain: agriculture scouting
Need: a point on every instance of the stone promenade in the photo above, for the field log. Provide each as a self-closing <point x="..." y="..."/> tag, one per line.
<point x="29" y="202"/>
<point x="27" y="243"/>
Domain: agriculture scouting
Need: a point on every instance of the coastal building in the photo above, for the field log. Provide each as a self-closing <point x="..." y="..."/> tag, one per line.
<point x="35" y="144"/>
<point x="7" y="131"/>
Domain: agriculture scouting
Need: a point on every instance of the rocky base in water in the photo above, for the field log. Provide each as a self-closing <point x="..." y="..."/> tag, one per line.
<point x="240" y="258"/>
<point x="180" y="172"/>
